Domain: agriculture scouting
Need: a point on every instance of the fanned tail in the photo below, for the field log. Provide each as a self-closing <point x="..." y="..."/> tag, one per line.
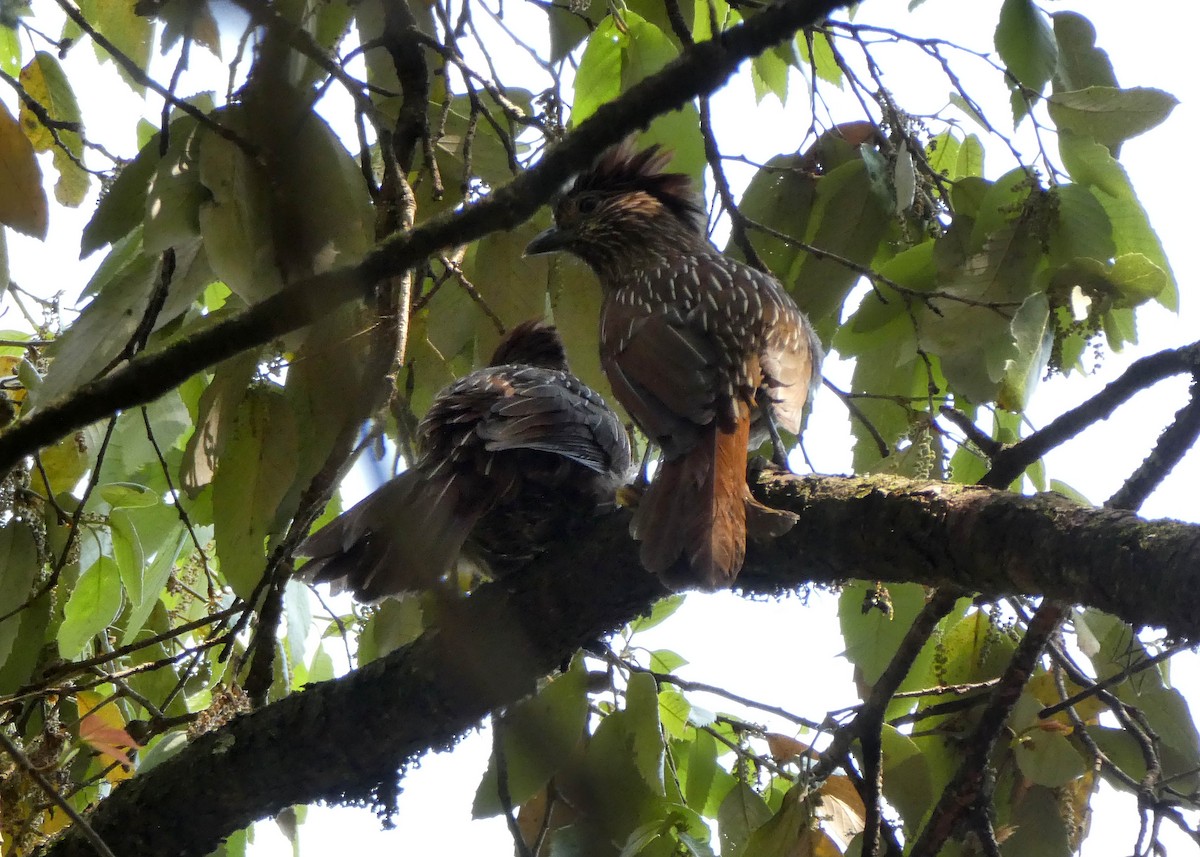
<point x="402" y="538"/>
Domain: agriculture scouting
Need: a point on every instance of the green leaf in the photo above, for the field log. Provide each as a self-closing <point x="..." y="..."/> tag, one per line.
<point x="769" y="74"/>
<point x="92" y="606"/>
<point x="615" y="60"/>
<point x="236" y="222"/>
<point x="666" y="661"/>
<point x="662" y="610"/>
<point x="1093" y="166"/>
<point x="128" y="495"/>
<point x="673" y="712"/>
<point x="598" y="79"/>
<point x="780" y="196"/>
<point x="214" y="419"/>
<point x="641" y="707"/>
<point x="100" y="332"/>
<point x="1048" y="758"/>
<point x="1080" y="63"/>
<point x="848" y="220"/>
<point x="906" y="780"/>
<point x="174" y="193"/>
<point x="129" y="32"/>
<point x="1109" y="115"/>
<point x="1123" y="750"/>
<point x="742" y="812"/>
<point x="975" y="343"/>
<point x="1033" y="335"/>
<point x="255" y="473"/>
<point x="395" y="623"/>
<point x="23" y="203"/>
<point x="619" y="799"/>
<point x="154" y="581"/>
<point x="569" y="26"/>
<point x="976" y="650"/>
<point x="128" y="555"/>
<point x="1082" y="228"/>
<point x="130" y="449"/>
<point x="1027" y="46"/>
<point x="872" y="637"/>
<point x="328" y="367"/>
<point x="701" y="770"/>
<point x="815" y="50"/>
<point x="10" y="51"/>
<point x="19" y="567"/>
<point x="28" y="649"/>
<point x="46" y="83"/>
<point x="1038" y="826"/>
<point x="784" y="833"/>
<point x="538" y="736"/>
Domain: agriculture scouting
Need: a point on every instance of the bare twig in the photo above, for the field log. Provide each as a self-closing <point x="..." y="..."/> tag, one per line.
<point x="1011" y="462"/>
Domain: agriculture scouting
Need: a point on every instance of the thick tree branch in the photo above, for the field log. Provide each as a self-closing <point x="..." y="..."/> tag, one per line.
<point x="698" y="70"/>
<point x="346" y="737"/>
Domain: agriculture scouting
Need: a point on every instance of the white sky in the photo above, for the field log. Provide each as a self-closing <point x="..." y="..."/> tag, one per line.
<point x="787" y="653"/>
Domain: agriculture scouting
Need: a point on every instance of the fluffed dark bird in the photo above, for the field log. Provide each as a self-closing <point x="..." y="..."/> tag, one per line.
<point x="511" y="457"/>
<point x="696" y="346"/>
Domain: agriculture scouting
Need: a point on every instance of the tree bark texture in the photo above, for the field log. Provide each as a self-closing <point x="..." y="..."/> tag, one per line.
<point x="345" y="740"/>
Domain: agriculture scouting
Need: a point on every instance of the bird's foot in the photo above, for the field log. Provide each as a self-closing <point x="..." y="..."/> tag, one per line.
<point x="630" y="496"/>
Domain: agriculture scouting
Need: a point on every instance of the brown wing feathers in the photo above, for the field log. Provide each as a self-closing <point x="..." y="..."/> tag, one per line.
<point x="688" y="338"/>
<point x="511" y="456"/>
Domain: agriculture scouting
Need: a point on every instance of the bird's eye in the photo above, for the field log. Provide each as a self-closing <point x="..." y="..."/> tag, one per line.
<point x="586" y="204"/>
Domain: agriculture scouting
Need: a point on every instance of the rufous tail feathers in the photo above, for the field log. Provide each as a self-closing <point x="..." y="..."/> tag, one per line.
<point x="692" y="520"/>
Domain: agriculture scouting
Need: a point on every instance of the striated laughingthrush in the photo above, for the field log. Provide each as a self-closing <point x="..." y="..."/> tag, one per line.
<point x="701" y="349"/>
<point x="511" y="457"/>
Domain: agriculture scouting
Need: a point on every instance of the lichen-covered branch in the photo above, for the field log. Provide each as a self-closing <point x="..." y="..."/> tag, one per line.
<point x="347" y="737"/>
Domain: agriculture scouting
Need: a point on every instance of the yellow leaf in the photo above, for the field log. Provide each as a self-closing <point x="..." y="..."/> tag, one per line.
<point x="783" y="748"/>
<point x="64" y="463"/>
<point x="54" y="820"/>
<point x="22" y="198"/>
<point x="46" y="83"/>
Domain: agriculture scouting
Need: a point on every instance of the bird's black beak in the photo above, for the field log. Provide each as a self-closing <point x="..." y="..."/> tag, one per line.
<point x="547" y="241"/>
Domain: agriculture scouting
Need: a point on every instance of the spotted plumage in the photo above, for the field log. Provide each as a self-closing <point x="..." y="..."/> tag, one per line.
<point x="694" y="343"/>
<point x="511" y="457"/>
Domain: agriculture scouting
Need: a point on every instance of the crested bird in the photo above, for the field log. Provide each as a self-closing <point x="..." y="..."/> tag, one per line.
<point x="702" y="350"/>
<point x="511" y="457"/>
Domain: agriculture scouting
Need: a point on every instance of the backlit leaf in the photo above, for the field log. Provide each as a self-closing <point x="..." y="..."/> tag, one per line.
<point x="92" y="606"/>
<point x="537" y="735"/>
<point x="19" y="568"/>
<point x="1109" y="115"/>
<point x="23" y="203"/>
<point x="1092" y="165"/>
<point x="255" y="473"/>
<point x="1080" y="63"/>
<point x="1026" y="44"/>
<point x="46" y="83"/>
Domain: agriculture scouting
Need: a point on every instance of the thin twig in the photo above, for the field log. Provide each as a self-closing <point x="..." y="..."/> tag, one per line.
<point x="24" y="763"/>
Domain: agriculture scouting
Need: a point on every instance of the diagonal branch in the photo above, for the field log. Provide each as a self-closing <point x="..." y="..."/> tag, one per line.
<point x="698" y="70"/>
<point x="1141" y="375"/>
<point x="1173" y="444"/>
<point x="968" y="789"/>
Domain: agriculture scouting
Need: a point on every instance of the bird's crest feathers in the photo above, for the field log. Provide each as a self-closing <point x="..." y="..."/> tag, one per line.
<point x="532" y="343"/>
<point x="621" y="169"/>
